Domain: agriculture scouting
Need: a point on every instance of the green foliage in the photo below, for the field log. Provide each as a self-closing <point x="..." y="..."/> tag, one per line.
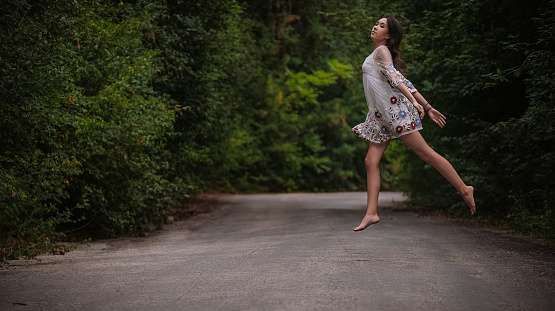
<point x="205" y="59"/>
<point x="121" y="124"/>
<point x="291" y="126"/>
<point x="34" y="169"/>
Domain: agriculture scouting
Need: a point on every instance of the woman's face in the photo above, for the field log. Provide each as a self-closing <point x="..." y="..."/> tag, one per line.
<point x="380" y="31"/>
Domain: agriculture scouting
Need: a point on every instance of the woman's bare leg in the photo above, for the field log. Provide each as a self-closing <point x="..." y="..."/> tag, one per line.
<point x="372" y="160"/>
<point x="416" y="142"/>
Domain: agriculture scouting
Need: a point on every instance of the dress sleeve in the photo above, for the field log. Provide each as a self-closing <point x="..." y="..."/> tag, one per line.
<point x="384" y="62"/>
<point x="411" y="87"/>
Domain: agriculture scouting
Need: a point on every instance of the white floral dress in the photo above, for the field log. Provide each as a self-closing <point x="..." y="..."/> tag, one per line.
<point x="390" y="113"/>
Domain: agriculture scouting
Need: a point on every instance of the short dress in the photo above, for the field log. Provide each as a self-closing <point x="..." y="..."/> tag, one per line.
<point x="390" y="113"/>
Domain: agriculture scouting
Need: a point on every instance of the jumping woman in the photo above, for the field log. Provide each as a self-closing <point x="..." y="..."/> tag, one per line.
<point x="395" y="110"/>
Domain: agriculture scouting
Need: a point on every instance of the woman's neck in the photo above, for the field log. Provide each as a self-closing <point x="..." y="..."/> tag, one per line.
<point x="377" y="44"/>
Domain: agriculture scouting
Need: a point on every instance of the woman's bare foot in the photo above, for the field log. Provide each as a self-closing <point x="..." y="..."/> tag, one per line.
<point x="468" y="197"/>
<point x="367" y="221"/>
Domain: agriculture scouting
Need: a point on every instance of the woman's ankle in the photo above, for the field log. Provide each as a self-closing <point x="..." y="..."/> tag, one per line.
<point x="466" y="191"/>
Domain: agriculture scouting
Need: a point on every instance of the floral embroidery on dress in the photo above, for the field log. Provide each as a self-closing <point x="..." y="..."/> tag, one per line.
<point x="417" y="121"/>
<point x="395" y="77"/>
<point x="390" y="113"/>
<point x="411" y="87"/>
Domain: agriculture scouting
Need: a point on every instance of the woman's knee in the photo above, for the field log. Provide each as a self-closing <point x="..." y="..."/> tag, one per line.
<point x="375" y="152"/>
<point x="371" y="163"/>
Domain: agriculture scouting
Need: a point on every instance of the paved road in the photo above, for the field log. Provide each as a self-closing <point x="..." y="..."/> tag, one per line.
<point x="293" y="252"/>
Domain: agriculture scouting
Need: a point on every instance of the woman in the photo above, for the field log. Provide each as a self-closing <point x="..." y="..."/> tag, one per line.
<point x="395" y="111"/>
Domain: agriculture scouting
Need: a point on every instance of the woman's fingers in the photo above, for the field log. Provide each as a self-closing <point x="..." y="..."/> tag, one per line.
<point x="437" y="117"/>
<point x="440" y="121"/>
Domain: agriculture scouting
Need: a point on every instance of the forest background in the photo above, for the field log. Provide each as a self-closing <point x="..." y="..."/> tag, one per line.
<point x="114" y="112"/>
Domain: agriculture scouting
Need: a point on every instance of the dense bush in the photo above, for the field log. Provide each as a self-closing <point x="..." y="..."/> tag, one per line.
<point x="36" y="168"/>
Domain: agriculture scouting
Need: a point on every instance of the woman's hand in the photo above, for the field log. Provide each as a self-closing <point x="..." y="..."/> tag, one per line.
<point x="437" y="117"/>
<point x="419" y="108"/>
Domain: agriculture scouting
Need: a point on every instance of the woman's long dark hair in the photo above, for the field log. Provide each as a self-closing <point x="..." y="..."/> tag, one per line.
<point x="394" y="41"/>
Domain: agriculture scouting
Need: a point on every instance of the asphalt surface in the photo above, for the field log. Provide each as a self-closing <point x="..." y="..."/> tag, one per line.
<point x="293" y="252"/>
